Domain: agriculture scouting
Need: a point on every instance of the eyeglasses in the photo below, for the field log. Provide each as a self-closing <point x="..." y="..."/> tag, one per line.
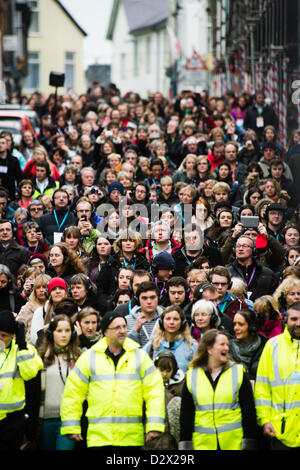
<point x="36" y="209"/>
<point x="243" y="246"/>
<point x="118" y="328"/>
<point x="219" y="283"/>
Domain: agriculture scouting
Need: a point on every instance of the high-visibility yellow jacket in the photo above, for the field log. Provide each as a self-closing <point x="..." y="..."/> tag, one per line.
<point x="115" y="396"/>
<point x="218" y="416"/>
<point x="15" y="367"/>
<point x="277" y="388"/>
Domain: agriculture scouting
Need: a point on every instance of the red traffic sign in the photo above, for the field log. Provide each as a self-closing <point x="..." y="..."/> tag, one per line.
<point x="195" y="62"/>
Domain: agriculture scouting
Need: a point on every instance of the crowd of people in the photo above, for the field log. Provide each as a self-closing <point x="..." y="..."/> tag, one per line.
<point x="149" y="274"/>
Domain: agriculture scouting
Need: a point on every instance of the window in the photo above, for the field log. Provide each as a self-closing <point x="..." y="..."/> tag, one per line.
<point x="34" y="27"/>
<point x="148" y="54"/>
<point x="69" y="70"/>
<point x="123" y="65"/>
<point x="32" y="81"/>
<point x="135" y="58"/>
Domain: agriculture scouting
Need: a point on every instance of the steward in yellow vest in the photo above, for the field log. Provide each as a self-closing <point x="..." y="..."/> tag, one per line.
<point x="19" y="362"/>
<point x="277" y="387"/>
<point x="116" y="377"/>
<point x="217" y="408"/>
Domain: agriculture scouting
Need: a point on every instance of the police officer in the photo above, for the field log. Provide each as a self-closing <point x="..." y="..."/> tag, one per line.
<point x="116" y="377"/>
<point x="19" y="362"/>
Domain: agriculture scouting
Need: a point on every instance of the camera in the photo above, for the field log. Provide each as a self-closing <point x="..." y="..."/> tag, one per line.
<point x="94" y="190"/>
<point x="250" y="221"/>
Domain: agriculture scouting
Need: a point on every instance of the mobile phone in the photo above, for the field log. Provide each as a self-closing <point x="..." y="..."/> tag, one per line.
<point x="250" y="221"/>
<point x="83" y="217"/>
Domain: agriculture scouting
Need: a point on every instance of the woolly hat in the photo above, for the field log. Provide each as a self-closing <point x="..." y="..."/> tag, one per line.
<point x="38" y="257"/>
<point x="163" y="261"/>
<point x="116" y="186"/>
<point x="108" y="318"/>
<point x="7" y="322"/>
<point x="57" y="282"/>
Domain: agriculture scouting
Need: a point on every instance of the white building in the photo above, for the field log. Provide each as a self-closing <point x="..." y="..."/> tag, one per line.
<point x="141" y="32"/>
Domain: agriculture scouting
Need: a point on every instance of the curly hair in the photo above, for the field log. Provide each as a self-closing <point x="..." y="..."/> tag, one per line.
<point x="283" y="289"/>
<point x="72" y="264"/>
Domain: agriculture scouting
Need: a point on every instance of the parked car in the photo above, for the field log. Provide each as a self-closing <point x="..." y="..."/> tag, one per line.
<point x="15" y="122"/>
<point x="32" y="115"/>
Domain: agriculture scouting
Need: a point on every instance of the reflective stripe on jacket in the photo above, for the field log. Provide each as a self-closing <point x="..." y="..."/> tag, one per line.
<point x="277" y="388"/>
<point x="218" y="417"/>
<point x="115" y="396"/>
<point x="15" y="367"/>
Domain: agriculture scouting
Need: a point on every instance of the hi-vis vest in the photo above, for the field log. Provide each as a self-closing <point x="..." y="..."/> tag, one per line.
<point x="277" y="388"/>
<point x="218" y="415"/>
<point x="15" y="367"/>
<point x="115" y="396"/>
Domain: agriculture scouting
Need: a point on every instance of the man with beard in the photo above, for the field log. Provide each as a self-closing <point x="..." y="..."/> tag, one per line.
<point x="277" y="386"/>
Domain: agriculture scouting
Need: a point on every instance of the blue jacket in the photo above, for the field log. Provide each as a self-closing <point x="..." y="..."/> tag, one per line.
<point x="181" y="350"/>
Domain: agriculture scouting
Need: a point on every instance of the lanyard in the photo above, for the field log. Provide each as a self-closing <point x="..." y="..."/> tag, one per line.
<point x="127" y="263"/>
<point x="129" y="306"/>
<point x="60" y="371"/>
<point x="6" y="356"/>
<point x="223" y="306"/>
<point x="162" y="288"/>
<point x="59" y="226"/>
<point x="251" y="277"/>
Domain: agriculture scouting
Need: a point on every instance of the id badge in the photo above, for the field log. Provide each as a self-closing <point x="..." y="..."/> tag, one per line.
<point x="259" y="121"/>
<point x="249" y="294"/>
<point x="57" y="236"/>
<point x="240" y="122"/>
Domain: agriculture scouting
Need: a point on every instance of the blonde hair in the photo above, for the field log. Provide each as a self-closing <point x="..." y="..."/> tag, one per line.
<point x="114" y="155"/>
<point x="220" y="186"/>
<point x="284" y="288"/>
<point x="159" y="334"/>
<point x="128" y="235"/>
<point x="195" y="272"/>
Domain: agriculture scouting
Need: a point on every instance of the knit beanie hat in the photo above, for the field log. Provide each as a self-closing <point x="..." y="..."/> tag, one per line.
<point x="108" y="318"/>
<point x="7" y="322"/>
<point x="116" y="186"/>
<point x="38" y="257"/>
<point x="57" y="282"/>
<point x="163" y="261"/>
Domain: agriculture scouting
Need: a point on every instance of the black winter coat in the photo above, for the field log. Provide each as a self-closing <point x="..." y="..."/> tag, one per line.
<point x="182" y="261"/>
<point x="269" y="116"/>
<point x="10" y="174"/>
<point x="107" y="282"/>
<point x="14" y="256"/>
<point x="48" y="224"/>
<point x="264" y="281"/>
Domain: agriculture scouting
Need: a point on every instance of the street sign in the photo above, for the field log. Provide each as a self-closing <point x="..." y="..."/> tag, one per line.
<point x="195" y="62"/>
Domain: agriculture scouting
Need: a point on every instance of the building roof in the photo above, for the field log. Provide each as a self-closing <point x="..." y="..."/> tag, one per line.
<point x="140" y="14"/>
<point x="59" y="3"/>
